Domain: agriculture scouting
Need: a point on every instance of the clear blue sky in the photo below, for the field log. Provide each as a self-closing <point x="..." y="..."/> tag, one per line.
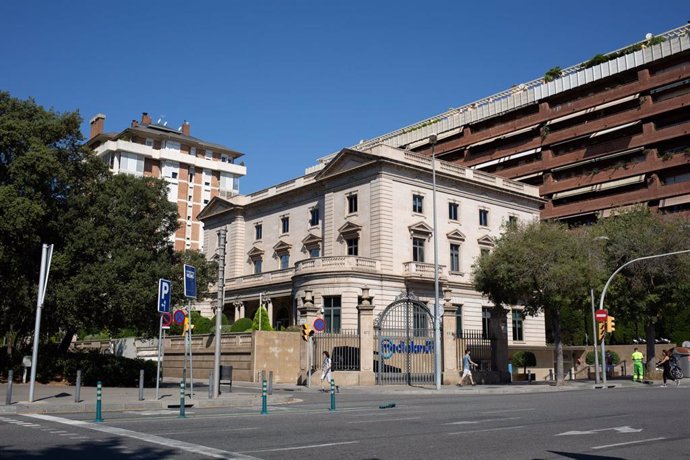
<point x="286" y="82"/>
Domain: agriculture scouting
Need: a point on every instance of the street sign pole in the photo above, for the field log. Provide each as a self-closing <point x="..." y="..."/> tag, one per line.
<point x="46" y="256"/>
<point x="191" y="368"/>
<point x="158" y="365"/>
<point x="189" y="275"/>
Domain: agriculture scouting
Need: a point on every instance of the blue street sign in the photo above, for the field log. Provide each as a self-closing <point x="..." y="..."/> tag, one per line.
<point x="164" y="288"/>
<point x="190" y="281"/>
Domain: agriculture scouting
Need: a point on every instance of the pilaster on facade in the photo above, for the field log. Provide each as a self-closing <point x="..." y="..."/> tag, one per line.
<point x="381" y="221"/>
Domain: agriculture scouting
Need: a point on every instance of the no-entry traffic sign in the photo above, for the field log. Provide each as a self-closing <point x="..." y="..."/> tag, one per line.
<point x="601" y="315"/>
<point x="167" y="320"/>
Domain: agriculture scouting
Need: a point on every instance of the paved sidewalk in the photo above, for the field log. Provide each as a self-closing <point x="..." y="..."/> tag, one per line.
<point x="58" y="398"/>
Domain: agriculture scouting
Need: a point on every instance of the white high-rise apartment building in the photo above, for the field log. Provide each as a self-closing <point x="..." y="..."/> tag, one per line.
<point x="195" y="170"/>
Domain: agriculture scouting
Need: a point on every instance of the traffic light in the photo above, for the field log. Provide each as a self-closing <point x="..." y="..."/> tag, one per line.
<point x="610" y="323"/>
<point x="306" y="332"/>
<point x="601" y="331"/>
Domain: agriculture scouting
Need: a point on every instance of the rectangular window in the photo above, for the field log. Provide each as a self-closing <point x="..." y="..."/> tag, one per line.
<point x="454" y="257"/>
<point x="512" y="220"/>
<point x="518" y="326"/>
<point x="351" y="204"/>
<point x="209" y="155"/>
<point x="191" y="176"/>
<point x="285" y="224"/>
<point x="484" y="217"/>
<point x="258" y="231"/>
<point x="417" y="204"/>
<point x="257" y="266"/>
<point x="314" y="252"/>
<point x="331" y="313"/>
<point x="314" y="217"/>
<point x="132" y="163"/>
<point x="484" y="252"/>
<point x="284" y="261"/>
<point x="172" y="145"/>
<point x="418" y="249"/>
<point x="453" y="211"/>
<point x="224" y="158"/>
<point x="352" y="246"/>
<point x="149" y="142"/>
<point x="420" y="324"/>
<point x="226" y="181"/>
<point x="486" y="318"/>
<point x="206" y="176"/>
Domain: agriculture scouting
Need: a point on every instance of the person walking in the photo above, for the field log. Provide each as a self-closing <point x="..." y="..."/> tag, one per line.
<point x="665" y="363"/>
<point x="638" y="368"/>
<point x="326" y="369"/>
<point x="467" y="364"/>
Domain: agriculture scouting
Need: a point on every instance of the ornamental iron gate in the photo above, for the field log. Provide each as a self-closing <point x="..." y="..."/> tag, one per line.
<point x="404" y="352"/>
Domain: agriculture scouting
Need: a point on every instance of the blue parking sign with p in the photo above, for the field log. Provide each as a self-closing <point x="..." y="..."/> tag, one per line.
<point x="164" y="288"/>
<point x="190" y="281"/>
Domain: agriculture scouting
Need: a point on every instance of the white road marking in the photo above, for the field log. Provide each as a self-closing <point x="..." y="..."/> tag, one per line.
<point x="489" y="429"/>
<point x="620" y="429"/>
<point x="474" y="422"/>
<point x="387" y="420"/>
<point x="220" y="430"/>
<point x="312" y="446"/>
<point x="627" y="443"/>
<point x="153" y="439"/>
<point x="156" y="412"/>
<point x="508" y="410"/>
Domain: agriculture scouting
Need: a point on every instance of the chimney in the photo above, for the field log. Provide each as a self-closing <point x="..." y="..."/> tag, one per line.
<point x="145" y="119"/>
<point x="185" y="128"/>
<point x="97" y="125"/>
<point x="134" y="124"/>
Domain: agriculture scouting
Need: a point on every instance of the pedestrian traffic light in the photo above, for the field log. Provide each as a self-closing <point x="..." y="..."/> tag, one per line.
<point x="306" y="332"/>
<point x="610" y="323"/>
<point x="601" y="331"/>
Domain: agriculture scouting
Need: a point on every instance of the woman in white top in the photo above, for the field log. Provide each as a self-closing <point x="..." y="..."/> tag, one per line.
<point x="326" y="369"/>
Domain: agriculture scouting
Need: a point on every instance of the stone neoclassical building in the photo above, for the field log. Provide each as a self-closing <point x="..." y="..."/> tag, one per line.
<point x="363" y="220"/>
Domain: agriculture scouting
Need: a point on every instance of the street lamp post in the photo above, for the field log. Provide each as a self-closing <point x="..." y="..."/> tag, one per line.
<point x="437" y="325"/>
<point x="606" y="286"/>
<point x="219" y="310"/>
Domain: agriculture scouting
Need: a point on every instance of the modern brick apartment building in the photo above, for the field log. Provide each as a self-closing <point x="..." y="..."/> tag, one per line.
<point x="195" y="170"/>
<point x="608" y="133"/>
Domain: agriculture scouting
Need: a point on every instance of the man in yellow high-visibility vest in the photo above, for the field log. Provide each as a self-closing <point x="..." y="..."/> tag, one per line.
<point x="638" y="368"/>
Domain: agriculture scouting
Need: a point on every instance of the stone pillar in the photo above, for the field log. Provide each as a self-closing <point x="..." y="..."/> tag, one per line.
<point x="236" y="308"/>
<point x="498" y="329"/>
<point x="366" y="339"/>
<point x="307" y="315"/>
<point x="269" y="309"/>
<point x="450" y="374"/>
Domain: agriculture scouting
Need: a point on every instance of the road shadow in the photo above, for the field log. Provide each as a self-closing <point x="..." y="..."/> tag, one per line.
<point x="579" y="456"/>
<point x="102" y="450"/>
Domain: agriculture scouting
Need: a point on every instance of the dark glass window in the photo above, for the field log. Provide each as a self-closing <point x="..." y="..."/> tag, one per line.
<point x="484" y="217"/>
<point x="331" y="313"/>
<point x="284" y="261"/>
<point x="486" y="318"/>
<point x="258" y="231"/>
<point x="418" y="249"/>
<point x="455" y="257"/>
<point x="453" y="211"/>
<point x="352" y="246"/>
<point x="518" y="326"/>
<point x="417" y="204"/>
<point x="351" y="204"/>
<point x="285" y="224"/>
<point x="314" y="217"/>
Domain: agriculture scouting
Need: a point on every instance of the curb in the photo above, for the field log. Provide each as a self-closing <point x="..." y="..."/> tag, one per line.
<point x="42" y="408"/>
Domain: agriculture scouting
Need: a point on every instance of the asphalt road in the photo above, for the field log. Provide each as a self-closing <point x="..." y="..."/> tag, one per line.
<point x="645" y="422"/>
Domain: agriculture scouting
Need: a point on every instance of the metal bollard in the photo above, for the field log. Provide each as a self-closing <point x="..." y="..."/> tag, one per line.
<point x="210" y="385"/>
<point x="99" y="396"/>
<point x="550" y="374"/>
<point x="263" y="375"/>
<point x="182" y="388"/>
<point x="332" y="394"/>
<point x="270" y="382"/>
<point x="8" y="395"/>
<point x="77" y="390"/>
<point x="529" y="377"/>
<point x="141" y="384"/>
<point x="264" y="405"/>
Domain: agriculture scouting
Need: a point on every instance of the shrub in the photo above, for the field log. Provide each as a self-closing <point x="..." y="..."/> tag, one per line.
<point x="552" y="74"/>
<point x="202" y="325"/>
<point x="224" y="321"/>
<point x="589" y="358"/>
<point x="265" y="323"/>
<point x="524" y="359"/>
<point x="241" y="325"/>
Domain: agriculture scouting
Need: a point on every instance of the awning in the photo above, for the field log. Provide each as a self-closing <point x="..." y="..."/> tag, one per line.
<point x="439" y="136"/>
<point x="599" y="187"/>
<point x="504" y="136"/>
<point x="594" y="160"/>
<point x="673" y="201"/>
<point x="615" y="128"/>
<point x="506" y="158"/>
<point x="593" y="109"/>
<point x="528" y="176"/>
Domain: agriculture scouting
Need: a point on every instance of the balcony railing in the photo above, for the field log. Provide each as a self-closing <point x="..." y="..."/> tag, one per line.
<point x="421" y="270"/>
<point x="337" y="263"/>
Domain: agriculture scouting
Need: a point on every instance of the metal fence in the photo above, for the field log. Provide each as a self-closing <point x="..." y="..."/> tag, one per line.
<point x="343" y="347"/>
<point x="480" y="348"/>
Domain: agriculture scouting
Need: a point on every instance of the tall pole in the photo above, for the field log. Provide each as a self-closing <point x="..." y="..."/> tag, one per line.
<point x="261" y="302"/>
<point x="219" y="310"/>
<point x="158" y="363"/>
<point x="46" y="256"/>
<point x="606" y="286"/>
<point x="437" y="323"/>
<point x="594" y="340"/>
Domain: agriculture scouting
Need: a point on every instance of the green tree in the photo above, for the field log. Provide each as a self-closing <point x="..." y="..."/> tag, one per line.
<point x="541" y="265"/>
<point x="524" y="359"/>
<point x="261" y="315"/>
<point x="647" y="291"/>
